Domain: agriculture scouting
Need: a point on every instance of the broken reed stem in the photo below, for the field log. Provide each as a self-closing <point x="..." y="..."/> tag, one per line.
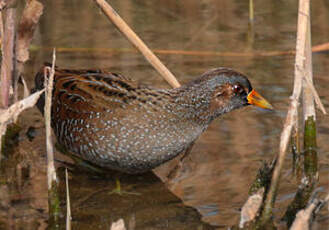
<point x="303" y="17"/>
<point x="137" y="42"/>
<point x="68" y="204"/>
<point x="26" y="27"/>
<point x="7" y="116"/>
<point x="8" y="64"/>
<point x="53" y="199"/>
<point x="118" y="225"/>
<point x="305" y="217"/>
<point x="50" y="152"/>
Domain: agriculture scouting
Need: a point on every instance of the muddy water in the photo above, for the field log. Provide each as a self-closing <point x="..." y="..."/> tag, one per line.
<point x="213" y="185"/>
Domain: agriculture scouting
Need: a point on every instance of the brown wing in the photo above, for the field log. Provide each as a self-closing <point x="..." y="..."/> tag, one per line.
<point x="86" y="90"/>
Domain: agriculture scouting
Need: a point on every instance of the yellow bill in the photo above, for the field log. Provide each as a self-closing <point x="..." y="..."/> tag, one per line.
<point x="256" y="99"/>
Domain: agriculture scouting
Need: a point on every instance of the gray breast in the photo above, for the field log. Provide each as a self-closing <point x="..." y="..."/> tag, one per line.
<point x="133" y="142"/>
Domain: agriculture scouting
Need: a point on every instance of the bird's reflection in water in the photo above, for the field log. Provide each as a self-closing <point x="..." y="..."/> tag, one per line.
<point x="147" y="203"/>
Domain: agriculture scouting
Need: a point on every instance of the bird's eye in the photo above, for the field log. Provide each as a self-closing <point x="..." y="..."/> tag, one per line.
<point x="238" y="89"/>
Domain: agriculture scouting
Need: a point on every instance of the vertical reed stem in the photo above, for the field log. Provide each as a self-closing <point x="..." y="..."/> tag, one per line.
<point x="53" y="198"/>
<point x="303" y="17"/>
<point x="25" y="31"/>
<point x="8" y="56"/>
<point x="251" y="11"/>
<point x="68" y="203"/>
<point x="251" y="27"/>
<point x="310" y="154"/>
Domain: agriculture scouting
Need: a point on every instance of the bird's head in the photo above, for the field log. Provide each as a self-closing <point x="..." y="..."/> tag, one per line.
<point x="223" y="90"/>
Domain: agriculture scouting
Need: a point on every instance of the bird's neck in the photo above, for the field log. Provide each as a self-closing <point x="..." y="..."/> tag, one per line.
<point x="193" y="104"/>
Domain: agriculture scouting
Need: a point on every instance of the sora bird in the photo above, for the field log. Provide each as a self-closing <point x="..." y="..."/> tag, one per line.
<point x="116" y="123"/>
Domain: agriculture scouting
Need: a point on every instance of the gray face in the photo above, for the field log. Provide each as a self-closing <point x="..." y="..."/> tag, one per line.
<point x="228" y="96"/>
<point x="220" y="91"/>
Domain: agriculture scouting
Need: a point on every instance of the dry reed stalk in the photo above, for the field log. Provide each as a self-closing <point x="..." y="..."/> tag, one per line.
<point x="53" y="197"/>
<point x="137" y="42"/>
<point x="320" y="47"/>
<point x="8" y="64"/>
<point x="309" y="92"/>
<point x="251" y="26"/>
<point x="251" y="207"/>
<point x="1" y="27"/>
<point x="303" y="217"/>
<point x="309" y="116"/>
<point x="27" y="25"/>
<point x="251" y="11"/>
<point x="118" y="225"/>
<point x="51" y="172"/>
<point x="303" y="17"/>
<point x="308" y="99"/>
<point x="303" y="20"/>
<point x="68" y="204"/>
<point x="7" y="116"/>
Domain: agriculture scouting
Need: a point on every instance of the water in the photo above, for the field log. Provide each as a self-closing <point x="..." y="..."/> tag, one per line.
<point x="225" y="159"/>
